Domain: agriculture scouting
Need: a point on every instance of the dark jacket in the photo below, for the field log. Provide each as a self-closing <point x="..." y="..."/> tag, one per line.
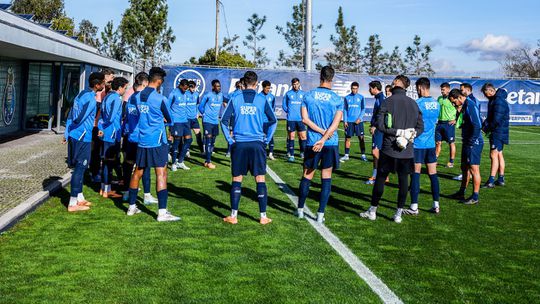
<point x="398" y="112"/>
<point x="472" y="123"/>
<point x="497" y="122"/>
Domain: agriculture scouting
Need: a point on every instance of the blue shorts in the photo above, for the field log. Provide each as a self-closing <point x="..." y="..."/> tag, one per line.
<point x="354" y="129"/>
<point x="445" y="132"/>
<point x="131" y="150"/>
<point x="110" y="150"/>
<point x="194" y="123"/>
<point x="248" y="157"/>
<point x="180" y="129"/>
<point x="471" y="155"/>
<point x="293" y="126"/>
<point x="210" y="129"/>
<point x="78" y="153"/>
<point x="377" y="139"/>
<point x="425" y="156"/>
<point x="328" y="157"/>
<point x="152" y="157"/>
<point x="496" y="144"/>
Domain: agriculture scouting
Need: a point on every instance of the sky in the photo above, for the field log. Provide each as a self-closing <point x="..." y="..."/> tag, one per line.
<point x="468" y="37"/>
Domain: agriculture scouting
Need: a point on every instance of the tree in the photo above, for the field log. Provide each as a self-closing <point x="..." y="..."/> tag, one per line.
<point x="229" y="45"/>
<point x="417" y="58"/>
<point x="260" y="57"/>
<point x="372" y="58"/>
<point x="346" y="54"/>
<point x="293" y="32"/>
<point x="522" y="62"/>
<point x="44" y="11"/>
<point x="113" y="45"/>
<point x="393" y="63"/>
<point x="87" y="33"/>
<point x="145" y="29"/>
<point x="225" y="58"/>
<point x="64" y="23"/>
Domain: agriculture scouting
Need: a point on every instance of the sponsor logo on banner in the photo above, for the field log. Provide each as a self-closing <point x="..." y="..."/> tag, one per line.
<point x="192" y="75"/>
<point x="8" y="98"/>
<point x="522" y="97"/>
<point x="521" y="118"/>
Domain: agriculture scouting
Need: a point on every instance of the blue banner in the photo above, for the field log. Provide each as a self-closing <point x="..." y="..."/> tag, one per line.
<point x="523" y="95"/>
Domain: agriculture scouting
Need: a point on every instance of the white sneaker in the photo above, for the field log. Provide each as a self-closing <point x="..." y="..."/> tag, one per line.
<point x="188" y="155"/>
<point x="458" y="178"/>
<point x="344" y="158"/>
<point x="410" y="211"/>
<point x="271" y="156"/>
<point x="397" y="218"/>
<point x="369" y="215"/>
<point x="173" y="168"/>
<point x="320" y="218"/>
<point x="302" y="155"/>
<point x="133" y="210"/>
<point x="167" y="217"/>
<point x="169" y="158"/>
<point x="182" y="166"/>
<point x="228" y="155"/>
<point x="149" y="199"/>
<point x="299" y="214"/>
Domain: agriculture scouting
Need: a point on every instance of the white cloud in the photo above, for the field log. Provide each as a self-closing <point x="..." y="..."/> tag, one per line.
<point x="435" y="43"/>
<point x="491" y="47"/>
<point x="443" y="66"/>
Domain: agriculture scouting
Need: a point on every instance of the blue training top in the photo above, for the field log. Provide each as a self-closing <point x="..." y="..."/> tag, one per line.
<point x="271" y="100"/>
<point x="132" y="119"/>
<point x="354" y="107"/>
<point x="430" y="108"/>
<point x="210" y="106"/>
<point x="379" y="101"/>
<point x="80" y="122"/>
<point x="472" y="124"/>
<point x="153" y="110"/>
<point x="322" y="105"/>
<point x="178" y="106"/>
<point x="192" y="103"/>
<point x="250" y="111"/>
<point x="292" y="104"/>
<point x="111" y="117"/>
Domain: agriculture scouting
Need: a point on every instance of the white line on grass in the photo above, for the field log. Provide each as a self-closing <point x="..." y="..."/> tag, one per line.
<point x="378" y="286"/>
<point x="35" y="156"/>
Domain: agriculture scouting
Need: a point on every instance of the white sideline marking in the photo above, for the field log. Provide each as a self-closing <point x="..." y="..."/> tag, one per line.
<point x="40" y="154"/>
<point x="378" y="286"/>
<point x="525" y="132"/>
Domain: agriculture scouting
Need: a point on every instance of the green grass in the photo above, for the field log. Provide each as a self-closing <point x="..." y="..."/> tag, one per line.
<point x="476" y="254"/>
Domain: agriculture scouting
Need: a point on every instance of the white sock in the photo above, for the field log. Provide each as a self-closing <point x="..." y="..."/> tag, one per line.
<point x="162" y="212"/>
<point x="346" y="155"/>
<point x="414" y="206"/>
<point x="263" y="214"/>
<point x="80" y="197"/>
<point x="435" y="204"/>
<point x="363" y="155"/>
<point x="148" y="195"/>
<point x="234" y="213"/>
<point x="300" y="210"/>
<point x="374" y="173"/>
<point x="372" y="209"/>
<point x="73" y="201"/>
<point x="399" y="211"/>
<point x="132" y="207"/>
<point x="320" y="215"/>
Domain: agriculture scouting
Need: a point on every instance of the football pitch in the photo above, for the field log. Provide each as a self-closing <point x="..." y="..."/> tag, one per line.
<point x="486" y="253"/>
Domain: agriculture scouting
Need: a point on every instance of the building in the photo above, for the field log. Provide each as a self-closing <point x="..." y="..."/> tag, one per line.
<point x="41" y="72"/>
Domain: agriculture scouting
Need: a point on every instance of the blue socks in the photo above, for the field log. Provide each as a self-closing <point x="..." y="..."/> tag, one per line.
<point x="415" y="187"/>
<point x="162" y="199"/>
<point x="347" y="150"/>
<point x="146" y="180"/>
<point x="200" y="142"/>
<point x="209" y="148"/>
<point x="175" y="145"/>
<point x="105" y="172"/>
<point x="290" y="147"/>
<point x="302" y="146"/>
<point x="325" y="193"/>
<point x="262" y="196"/>
<point x="435" y="191"/>
<point x="133" y="196"/>
<point x="491" y="179"/>
<point x="185" y="148"/>
<point x="236" y="194"/>
<point x="303" y="191"/>
<point x="77" y="180"/>
<point x="501" y="179"/>
<point x="271" y="146"/>
<point x="475" y="196"/>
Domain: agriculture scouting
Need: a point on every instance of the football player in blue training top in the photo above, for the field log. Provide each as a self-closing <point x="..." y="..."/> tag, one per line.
<point x="193" y="114"/>
<point x="424" y="147"/>
<point x="153" y="147"/>
<point x="250" y="111"/>
<point x="375" y="89"/>
<point x="471" y="149"/>
<point x="110" y="132"/>
<point x="497" y="127"/>
<point x="180" y="130"/>
<point x="209" y="108"/>
<point x="292" y="105"/>
<point x="322" y="110"/>
<point x="354" y="109"/>
<point x="78" y="135"/>
<point x="239" y="86"/>
<point x="271" y="99"/>
<point x="131" y="140"/>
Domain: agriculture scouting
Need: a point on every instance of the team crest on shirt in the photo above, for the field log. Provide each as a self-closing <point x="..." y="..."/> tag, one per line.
<point x="85" y="162"/>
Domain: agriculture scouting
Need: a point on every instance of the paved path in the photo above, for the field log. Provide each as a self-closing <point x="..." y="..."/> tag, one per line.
<point x="28" y="165"/>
